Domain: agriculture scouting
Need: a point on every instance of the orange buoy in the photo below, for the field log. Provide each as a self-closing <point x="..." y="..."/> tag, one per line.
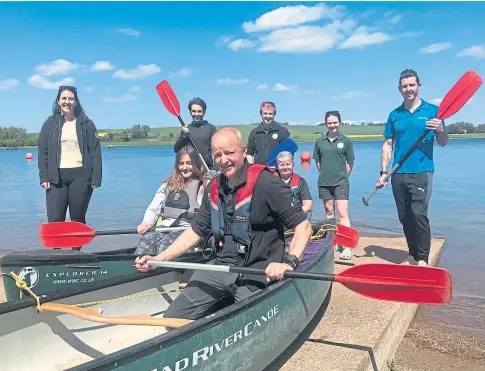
<point x="29" y="156"/>
<point x="305" y="157"/>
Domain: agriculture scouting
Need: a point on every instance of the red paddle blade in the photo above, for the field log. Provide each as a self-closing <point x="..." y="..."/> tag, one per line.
<point x="459" y="94"/>
<point x="65" y="234"/>
<point x="403" y="283"/>
<point x="168" y="98"/>
<point x="346" y="236"/>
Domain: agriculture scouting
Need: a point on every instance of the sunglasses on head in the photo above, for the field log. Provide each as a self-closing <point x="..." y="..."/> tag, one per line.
<point x="67" y="87"/>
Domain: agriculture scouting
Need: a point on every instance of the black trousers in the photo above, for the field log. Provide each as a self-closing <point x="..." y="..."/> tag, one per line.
<point x="71" y="191"/>
<point x="207" y="292"/>
<point x="412" y="193"/>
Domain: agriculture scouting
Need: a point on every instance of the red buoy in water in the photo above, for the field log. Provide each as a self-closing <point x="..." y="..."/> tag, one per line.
<point x="29" y="156"/>
<point x="305" y="157"/>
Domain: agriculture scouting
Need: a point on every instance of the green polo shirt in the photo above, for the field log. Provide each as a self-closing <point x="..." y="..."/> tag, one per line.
<point x="333" y="157"/>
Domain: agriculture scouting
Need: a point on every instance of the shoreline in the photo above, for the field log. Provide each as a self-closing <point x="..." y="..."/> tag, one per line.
<point x="155" y="143"/>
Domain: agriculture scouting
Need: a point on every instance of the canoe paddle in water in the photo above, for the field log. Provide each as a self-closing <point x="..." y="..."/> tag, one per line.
<point x="171" y="103"/>
<point x="453" y="101"/>
<point x="63" y="235"/>
<point x="286" y="145"/>
<point x="391" y="282"/>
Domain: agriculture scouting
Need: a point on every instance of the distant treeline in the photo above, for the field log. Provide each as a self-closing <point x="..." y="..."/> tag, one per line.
<point x="14" y="137"/>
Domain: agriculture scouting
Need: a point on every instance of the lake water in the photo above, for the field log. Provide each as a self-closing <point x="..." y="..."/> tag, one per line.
<point x="132" y="174"/>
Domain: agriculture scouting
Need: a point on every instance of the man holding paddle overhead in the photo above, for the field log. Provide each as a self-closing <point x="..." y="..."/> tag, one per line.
<point x="412" y="182"/>
<point x="246" y="209"/>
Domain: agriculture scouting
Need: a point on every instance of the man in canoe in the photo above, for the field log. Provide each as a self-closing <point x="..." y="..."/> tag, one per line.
<point x="264" y="138"/>
<point x="242" y="198"/>
<point x="412" y="183"/>
<point x="200" y="130"/>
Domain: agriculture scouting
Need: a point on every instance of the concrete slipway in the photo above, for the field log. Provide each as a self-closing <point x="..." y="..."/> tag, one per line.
<point x="355" y="332"/>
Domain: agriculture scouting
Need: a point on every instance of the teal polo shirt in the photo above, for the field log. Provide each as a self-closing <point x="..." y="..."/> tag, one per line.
<point x="333" y="157"/>
<point x="404" y="128"/>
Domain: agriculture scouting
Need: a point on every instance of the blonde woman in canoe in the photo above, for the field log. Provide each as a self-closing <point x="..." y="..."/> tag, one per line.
<point x="181" y="192"/>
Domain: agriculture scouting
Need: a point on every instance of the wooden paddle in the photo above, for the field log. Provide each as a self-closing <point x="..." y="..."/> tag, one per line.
<point x="453" y="101"/>
<point x="69" y="234"/>
<point x="171" y="103"/>
<point x="391" y="282"/>
<point x="94" y="314"/>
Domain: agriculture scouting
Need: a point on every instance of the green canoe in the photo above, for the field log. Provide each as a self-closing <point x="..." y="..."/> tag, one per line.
<point x="48" y="270"/>
<point x="249" y="335"/>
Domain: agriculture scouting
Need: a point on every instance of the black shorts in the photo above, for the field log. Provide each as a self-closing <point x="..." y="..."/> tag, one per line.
<point x="338" y="192"/>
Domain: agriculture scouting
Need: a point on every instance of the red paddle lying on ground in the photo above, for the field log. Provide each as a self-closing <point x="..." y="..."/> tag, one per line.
<point x="70" y="234"/>
<point x="171" y="103"/>
<point x="453" y="101"/>
<point x="392" y="282"/>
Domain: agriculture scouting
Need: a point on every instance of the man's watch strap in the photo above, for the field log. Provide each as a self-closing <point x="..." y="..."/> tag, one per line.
<point x="292" y="261"/>
<point x="383" y="172"/>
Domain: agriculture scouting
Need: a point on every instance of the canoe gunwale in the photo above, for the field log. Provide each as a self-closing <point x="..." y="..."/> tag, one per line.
<point x="147" y="347"/>
<point x="26" y="302"/>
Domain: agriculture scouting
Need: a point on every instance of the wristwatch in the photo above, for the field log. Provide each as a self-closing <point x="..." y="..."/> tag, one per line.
<point x="292" y="261"/>
<point x="383" y="172"/>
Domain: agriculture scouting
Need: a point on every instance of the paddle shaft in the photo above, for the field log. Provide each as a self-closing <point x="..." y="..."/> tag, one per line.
<point x="398" y="165"/>
<point x="239" y="270"/>
<point x="195" y="145"/>
<point x="133" y="231"/>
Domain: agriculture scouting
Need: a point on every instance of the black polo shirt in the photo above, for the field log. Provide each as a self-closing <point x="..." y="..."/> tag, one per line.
<point x="333" y="157"/>
<point x="273" y="207"/>
<point x="264" y="139"/>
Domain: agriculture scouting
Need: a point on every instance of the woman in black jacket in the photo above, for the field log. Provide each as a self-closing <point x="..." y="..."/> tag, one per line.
<point x="69" y="158"/>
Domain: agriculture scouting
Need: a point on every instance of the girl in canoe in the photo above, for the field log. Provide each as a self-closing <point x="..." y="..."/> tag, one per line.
<point x="181" y="192"/>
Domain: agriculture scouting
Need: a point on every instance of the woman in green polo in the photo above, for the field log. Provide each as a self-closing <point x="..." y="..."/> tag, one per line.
<point x="334" y="156"/>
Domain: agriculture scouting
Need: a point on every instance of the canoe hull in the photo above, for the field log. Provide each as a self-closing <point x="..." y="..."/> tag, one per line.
<point x="248" y="335"/>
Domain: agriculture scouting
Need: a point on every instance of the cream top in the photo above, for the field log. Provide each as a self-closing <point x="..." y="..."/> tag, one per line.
<point x="70" y="153"/>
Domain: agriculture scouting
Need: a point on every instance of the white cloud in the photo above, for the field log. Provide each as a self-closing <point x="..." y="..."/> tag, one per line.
<point x="240" y="44"/>
<point x="135" y="89"/>
<point x="140" y="72"/>
<point x="293" y="15"/>
<point x="436" y="101"/>
<point x="129" y="32"/>
<point x="262" y="87"/>
<point x="57" y="67"/>
<point x="281" y="87"/>
<point x="223" y="41"/>
<point x="183" y="72"/>
<point x="41" y="82"/>
<point x="363" y="37"/>
<point x="8" y="84"/>
<point x="435" y="48"/>
<point x="396" y="19"/>
<point x="229" y="81"/>
<point x="102" y="66"/>
<point x="89" y="89"/>
<point x="353" y="94"/>
<point x="305" y="38"/>
<point x="477" y="51"/>
<point x="121" y="99"/>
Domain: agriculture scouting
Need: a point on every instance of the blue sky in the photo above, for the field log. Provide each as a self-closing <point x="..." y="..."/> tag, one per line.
<point x="307" y="57"/>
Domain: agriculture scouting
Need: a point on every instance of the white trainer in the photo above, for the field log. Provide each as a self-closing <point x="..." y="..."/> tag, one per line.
<point x="409" y="261"/>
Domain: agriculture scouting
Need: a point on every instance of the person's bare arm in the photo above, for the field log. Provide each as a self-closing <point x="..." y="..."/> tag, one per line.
<point x="386" y="154"/>
<point x="307" y="205"/>
<point x="299" y="242"/>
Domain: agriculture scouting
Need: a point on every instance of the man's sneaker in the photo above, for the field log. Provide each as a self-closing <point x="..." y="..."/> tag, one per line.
<point x="422" y="263"/>
<point x="409" y="261"/>
<point x="346" y="254"/>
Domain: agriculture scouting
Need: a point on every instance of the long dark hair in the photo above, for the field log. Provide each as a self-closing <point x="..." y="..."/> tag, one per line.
<point x="175" y="181"/>
<point x="78" y="110"/>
